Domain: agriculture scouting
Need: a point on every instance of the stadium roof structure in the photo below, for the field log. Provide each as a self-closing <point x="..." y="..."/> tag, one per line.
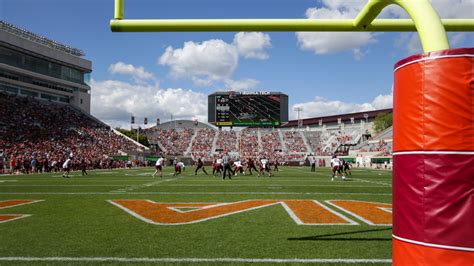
<point x="247" y="93"/>
<point x="25" y="34"/>
<point x="182" y="124"/>
<point x="334" y="118"/>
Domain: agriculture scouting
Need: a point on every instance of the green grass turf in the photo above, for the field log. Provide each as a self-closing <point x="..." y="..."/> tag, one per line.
<point x="75" y="219"/>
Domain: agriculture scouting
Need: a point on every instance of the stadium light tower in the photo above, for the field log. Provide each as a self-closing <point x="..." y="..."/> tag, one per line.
<point x="299" y="110"/>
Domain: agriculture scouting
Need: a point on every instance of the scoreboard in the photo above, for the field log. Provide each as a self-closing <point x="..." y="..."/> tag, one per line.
<point x="248" y="108"/>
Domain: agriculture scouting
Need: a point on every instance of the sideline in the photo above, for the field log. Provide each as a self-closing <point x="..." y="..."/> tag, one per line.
<point x="215" y="260"/>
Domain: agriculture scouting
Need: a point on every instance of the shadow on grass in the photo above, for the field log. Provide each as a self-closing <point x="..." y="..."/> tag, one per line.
<point x="330" y="237"/>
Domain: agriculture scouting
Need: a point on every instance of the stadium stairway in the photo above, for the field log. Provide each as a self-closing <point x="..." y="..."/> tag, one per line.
<point x="282" y="142"/>
<point x="237" y="133"/>
<point x="188" y="150"/>
<point x="214" y="142"/>
<point x="305" y="141"/>
<point x="259" y="138"/>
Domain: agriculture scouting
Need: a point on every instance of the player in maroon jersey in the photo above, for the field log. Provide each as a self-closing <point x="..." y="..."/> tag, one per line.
<point x="276" y="163"/>
<point x="251" y="165"/>
<point x="200" y="165"/>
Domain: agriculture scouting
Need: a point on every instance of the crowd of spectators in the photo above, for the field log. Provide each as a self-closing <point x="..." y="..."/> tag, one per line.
<point x="344" y="138"/>
<point x="202" y="144"/>
<point x="314" y="141"/>
<point x="382" y="146"/>
<point x="249" y="147"/>
<point x="38" y="136"/>
<point x="174" y="141"/>
<point x="294" y="142"/>
<point x="271" y="144"/>
<point x="227" y="140"/>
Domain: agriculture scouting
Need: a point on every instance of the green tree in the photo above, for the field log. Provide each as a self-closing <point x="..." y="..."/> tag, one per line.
<point x="142" y="138"/>
<point x="382" y="121"/>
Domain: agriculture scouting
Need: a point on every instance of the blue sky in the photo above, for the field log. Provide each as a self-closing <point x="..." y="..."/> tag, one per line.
<point x="158" y="74"/>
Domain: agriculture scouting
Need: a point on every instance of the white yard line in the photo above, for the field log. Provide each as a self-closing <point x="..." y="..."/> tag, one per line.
<point x="209" y="185"/>
<point x="193" y="193"/>
<point x="196" y="260"/>
<point x="373" y="182"/>
<point x="150" y="184"/>
<point x="62" y="185"/>
<point x="268" y="185"/>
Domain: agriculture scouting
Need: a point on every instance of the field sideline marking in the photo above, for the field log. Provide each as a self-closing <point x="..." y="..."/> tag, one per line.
<point x="373" y="182"/>
<point x="201" y="185"/>
<point x="194" y="193"/>
<point x="260" y="185"/>
<point x="62" y="185"/>
<point x="148" y="184"/>
<point x="216" y="260"/>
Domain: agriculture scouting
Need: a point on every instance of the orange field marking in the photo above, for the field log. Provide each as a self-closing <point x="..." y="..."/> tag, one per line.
<point x="306" y="212"/>
<point x="13" y="203"/>
<point x="372" y="213"/>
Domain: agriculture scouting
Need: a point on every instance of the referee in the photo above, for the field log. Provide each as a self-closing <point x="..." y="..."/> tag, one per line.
<point x="226" y="162"/>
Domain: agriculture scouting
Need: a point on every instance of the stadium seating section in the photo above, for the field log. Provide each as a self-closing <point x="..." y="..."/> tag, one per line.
<point x="49" y="133"/>
<point x="283" y="144"/>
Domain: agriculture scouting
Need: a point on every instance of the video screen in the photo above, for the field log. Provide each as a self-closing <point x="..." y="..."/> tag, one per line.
<point x="248" y="109"/>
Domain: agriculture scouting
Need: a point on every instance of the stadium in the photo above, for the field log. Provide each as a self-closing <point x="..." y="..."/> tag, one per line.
<point x="367" y="186"/>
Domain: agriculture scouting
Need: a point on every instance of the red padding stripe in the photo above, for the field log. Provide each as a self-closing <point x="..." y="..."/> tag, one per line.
<point x="404" y="253"/>
<point x="448" y="52"/>
<point x="433" y="198"/>
<point x="434" y="106"/>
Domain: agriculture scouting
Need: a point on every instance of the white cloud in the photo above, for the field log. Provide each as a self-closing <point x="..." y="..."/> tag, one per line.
<point x="321" y="106"/>
<point x="210" y="60"/>
<point x="240" y="85"/>
<point x="410" y="42"/>
<point x="334" y="42"/>
<point x="454" y="8"/>
<point x="116" y="101"/>
<point x="444" y="8"/>
<point x="138" y="73"/>
<point x="214" y="60"/>
<point x="329" y="42"/>
<point x="252" y="44"/>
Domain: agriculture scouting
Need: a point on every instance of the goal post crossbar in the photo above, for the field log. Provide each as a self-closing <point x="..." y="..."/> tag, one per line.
<point x="424" y="20"/>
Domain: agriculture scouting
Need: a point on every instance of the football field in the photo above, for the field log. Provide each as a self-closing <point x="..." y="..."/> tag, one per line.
<point x="128" y="216"/>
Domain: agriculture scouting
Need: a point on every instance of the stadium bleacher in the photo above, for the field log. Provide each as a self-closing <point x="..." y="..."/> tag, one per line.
<point x="49" y="133"/>
<point x="202" y="144"/>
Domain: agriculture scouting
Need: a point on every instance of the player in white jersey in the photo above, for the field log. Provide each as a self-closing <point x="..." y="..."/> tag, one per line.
<point x="217" y="167"/>
<point x="238" y="168"/>
<point x="265" y="167"/>
<point x="159" y="166"/>
<point x="178" y="168"/>
<point x="66" y="168"/>
<point x="336" y="168"/>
